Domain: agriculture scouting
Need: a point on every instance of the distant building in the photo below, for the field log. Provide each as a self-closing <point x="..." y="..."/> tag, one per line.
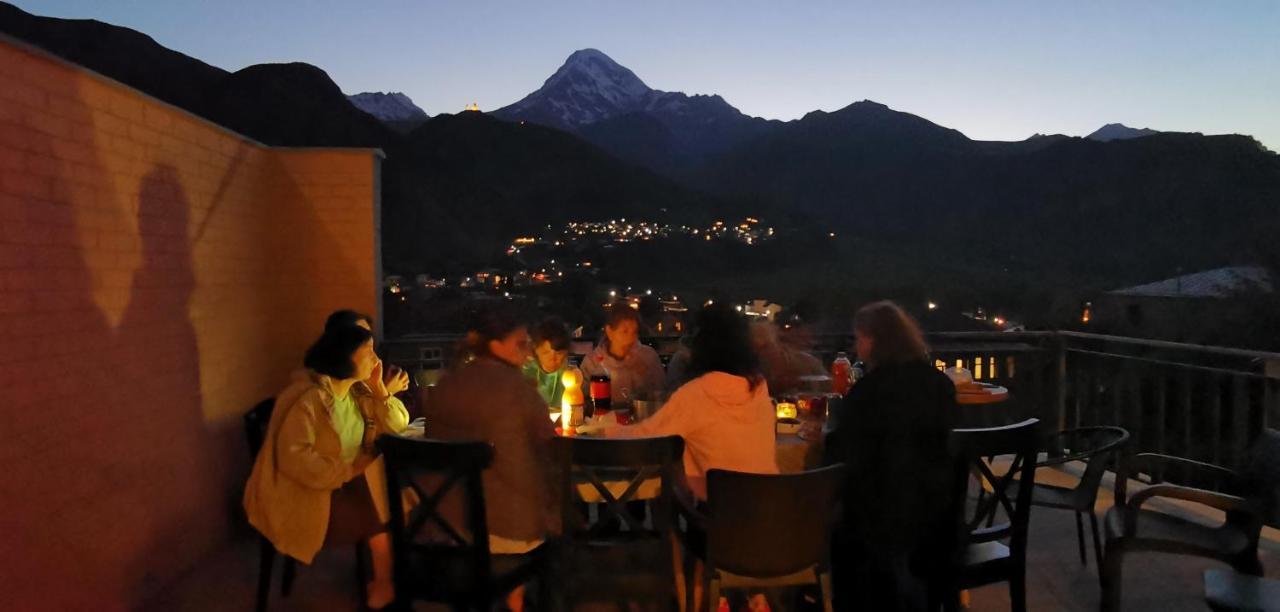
<point x="762" y="309"/>
<point x="1190" y="308"/>
<point x="393" y="283"/>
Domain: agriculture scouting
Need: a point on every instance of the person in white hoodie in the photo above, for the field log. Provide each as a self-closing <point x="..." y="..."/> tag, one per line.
<point x="724" y="412"/>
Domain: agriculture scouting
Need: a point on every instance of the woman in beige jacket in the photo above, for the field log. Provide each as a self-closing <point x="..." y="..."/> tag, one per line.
<point x="309" y="480"/>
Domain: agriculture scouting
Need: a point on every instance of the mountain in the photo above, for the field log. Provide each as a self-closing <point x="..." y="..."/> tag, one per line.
<point x="115" y="51"/>
<point x="468" y="183"/>
<point x="1047" y="210"/>
<point x="455" y="190"/>
<point x="292" y="104"/>
<point x="607" y="104"/>
<point x="912" y="202"/>
<point x="1119" y="131"/>
<point x="391" y="106"/>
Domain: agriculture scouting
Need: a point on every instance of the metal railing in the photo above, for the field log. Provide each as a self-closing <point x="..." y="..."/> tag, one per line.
<point x="1201" y="402"/>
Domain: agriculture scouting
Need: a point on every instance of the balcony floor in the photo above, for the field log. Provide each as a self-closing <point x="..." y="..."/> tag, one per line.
<point x="1056" y="580"/>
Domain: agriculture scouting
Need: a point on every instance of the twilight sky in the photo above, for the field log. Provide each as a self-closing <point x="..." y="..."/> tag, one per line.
<point x="996" y="70"/>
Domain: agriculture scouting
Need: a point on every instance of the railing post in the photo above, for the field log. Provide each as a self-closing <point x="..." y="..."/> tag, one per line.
<point x="1271" y="401"/>
<point x="1058" y="354"/>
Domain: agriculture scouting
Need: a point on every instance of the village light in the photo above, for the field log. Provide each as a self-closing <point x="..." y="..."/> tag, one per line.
<point x="933" y="306"/>
<point x="613" y="293"/>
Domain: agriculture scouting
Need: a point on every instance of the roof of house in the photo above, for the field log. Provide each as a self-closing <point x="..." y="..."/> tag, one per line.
<point x="1217" y="283"/>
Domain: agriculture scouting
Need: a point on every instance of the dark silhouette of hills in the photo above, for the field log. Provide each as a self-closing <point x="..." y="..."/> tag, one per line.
<point x="897" y="188"/>
<point x="1077" y="208"/>
<point x="456" y="189"/>
<point x="472" y="182"/>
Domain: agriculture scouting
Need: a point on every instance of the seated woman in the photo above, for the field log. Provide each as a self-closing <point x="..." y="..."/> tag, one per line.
<point x="487" y="398"/>
<point x="550" y="360"/>
<point x="634" y="369"/>
<point x="892" y="434"/>
<point x="397" y="380"/>
<point x="308" y="486"/>
<point x="724" y="412"/>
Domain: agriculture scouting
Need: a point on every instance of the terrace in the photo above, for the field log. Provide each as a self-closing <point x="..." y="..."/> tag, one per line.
<point x="136" y="235"/>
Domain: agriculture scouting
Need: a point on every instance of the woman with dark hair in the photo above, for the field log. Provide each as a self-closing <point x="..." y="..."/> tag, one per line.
<point x="550" y="360"/>
<point x="397" y="380"/>
<point x="308" y="486"/>
<point x="891" y="431"/>
<point x="633" y="368"/>
<point x="724" y="412"/>
<point x="488" y="399"/>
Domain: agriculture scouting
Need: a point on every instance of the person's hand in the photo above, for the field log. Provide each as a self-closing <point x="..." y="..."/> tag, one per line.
<point x="374" y="382"/>
<point x="399" y="382"/>
<point x="361" y="464"/>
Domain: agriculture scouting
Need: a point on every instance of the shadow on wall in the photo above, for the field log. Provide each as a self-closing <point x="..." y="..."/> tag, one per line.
<point x="155" y="290"/>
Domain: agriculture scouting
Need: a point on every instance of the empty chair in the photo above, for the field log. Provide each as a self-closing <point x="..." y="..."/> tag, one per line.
<point x="982" y="551"/>
<point x="620" y="557"/>
<point x="1250" y="499"/>
<point x="1099" y="447"/>
<point x="440" y="544"/>
<point x="769" y="530"/>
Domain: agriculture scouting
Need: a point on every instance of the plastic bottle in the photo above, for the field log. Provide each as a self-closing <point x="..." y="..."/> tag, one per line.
<point x="841" y="374"/>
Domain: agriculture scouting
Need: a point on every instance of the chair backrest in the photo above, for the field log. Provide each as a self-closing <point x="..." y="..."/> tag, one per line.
<point x="767" y="525"/>
<point x="1098" y="446"/>
<point x="255" y="425"/>
<point x="425" y="542"/>
<point x="593" y="464"/>
<point x="971" y="447"/>
<point x="1261" y="475"/>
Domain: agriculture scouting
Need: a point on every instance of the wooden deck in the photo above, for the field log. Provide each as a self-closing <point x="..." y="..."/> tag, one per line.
<point x="1056" y="580"/>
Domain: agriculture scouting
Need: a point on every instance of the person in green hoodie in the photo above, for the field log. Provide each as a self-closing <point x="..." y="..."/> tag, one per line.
<point x="549" y="361"/>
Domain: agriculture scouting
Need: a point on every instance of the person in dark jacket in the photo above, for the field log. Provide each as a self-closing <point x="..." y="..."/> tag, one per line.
<point x="891" y="430"/>
<point x="488" y="399"/>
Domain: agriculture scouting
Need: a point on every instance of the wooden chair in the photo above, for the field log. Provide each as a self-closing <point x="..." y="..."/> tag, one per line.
<point x="768" y="530"/>
<point x="978" y="554"/>
<point x="1099" y="447"/>
<point x="1250" y="499"/>
<point x="255" y="431"/>
<point x="620" y="557"/>
<point x="434" y="558"/>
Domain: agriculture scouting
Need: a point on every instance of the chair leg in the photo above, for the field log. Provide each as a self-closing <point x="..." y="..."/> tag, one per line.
<point x="1112" y="578"/>
<point x="1097" y="543"/>
<point x="266" y="562"/>
<point x="713" y="590"/>
<point x="290" y="572"/>
<point x="1248" y="564"/>
<point x="1080" y="538"/>
<point x="362" y="571"/>
<point x="1018" y="588"/>
<point x="824" y="583"/>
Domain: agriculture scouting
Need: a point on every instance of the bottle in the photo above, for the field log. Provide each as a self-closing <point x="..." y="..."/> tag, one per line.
<point x="601" y="394"/>
<point x="841" y="374"/>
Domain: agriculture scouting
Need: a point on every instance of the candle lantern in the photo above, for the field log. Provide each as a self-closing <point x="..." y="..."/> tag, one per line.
<point x="786" y="409"/>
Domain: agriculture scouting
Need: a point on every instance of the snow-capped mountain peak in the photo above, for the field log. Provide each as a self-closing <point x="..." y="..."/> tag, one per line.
<point x="591" y="72"/>
<point x="390" y="106"/>
<point x="588" y="87"/>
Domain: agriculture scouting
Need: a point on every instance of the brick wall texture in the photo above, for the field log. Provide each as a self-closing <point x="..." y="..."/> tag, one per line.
<point x="158" y="276"/>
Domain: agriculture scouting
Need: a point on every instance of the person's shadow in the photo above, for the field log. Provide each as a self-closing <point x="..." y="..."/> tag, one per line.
<point x="174" y="452"/>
